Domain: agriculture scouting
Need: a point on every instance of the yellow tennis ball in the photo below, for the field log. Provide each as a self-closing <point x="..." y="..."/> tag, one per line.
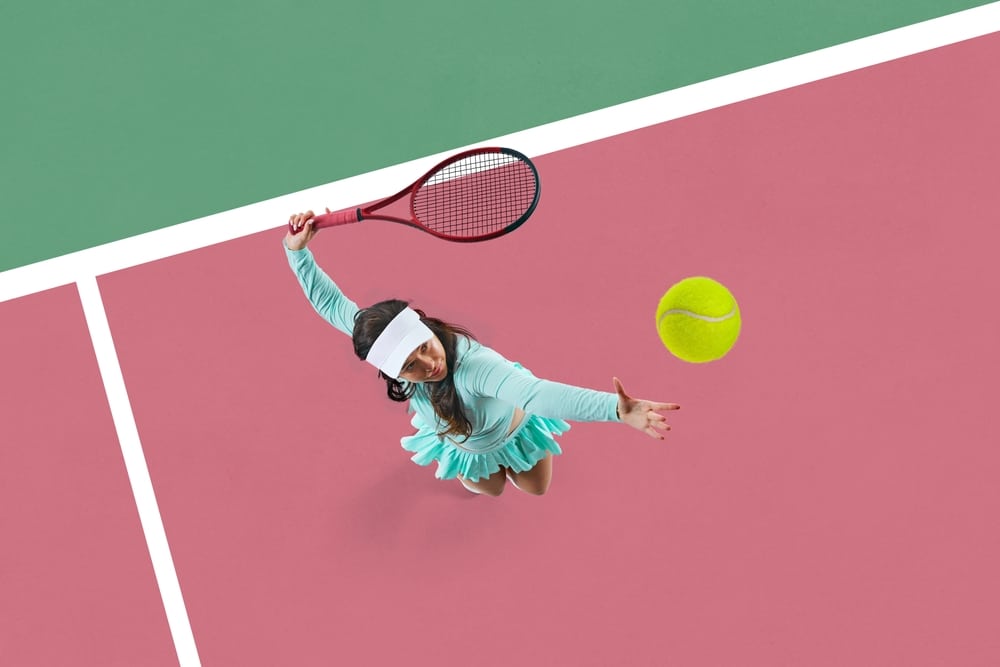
<point x="698" y="320"/>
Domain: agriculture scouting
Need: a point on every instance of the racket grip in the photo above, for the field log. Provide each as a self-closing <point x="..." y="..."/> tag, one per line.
<point x="344" y="217"/>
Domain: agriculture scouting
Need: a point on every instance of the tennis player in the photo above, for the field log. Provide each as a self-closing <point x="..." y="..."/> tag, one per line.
<point x="483" y="419"/>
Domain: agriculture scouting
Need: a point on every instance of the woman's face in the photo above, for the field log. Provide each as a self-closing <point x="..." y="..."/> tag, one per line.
<point x="427" y="363"/>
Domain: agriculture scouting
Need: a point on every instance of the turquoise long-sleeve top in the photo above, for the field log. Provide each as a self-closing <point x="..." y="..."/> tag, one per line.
<point x="488" y="385"/>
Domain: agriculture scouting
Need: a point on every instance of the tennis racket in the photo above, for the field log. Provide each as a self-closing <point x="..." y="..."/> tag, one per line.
<point x="474" y="195"/>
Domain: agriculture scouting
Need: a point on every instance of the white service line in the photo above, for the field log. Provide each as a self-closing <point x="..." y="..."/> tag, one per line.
<point x="138" y="472"/>
<point x="555" y="136"/>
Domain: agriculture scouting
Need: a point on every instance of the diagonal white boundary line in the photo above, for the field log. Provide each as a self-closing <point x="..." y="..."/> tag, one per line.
<point x="540" y="140"/>
<point x="138" y="473"/>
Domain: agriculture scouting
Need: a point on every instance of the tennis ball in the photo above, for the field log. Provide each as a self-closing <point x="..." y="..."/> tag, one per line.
<point x="698" y="320"/>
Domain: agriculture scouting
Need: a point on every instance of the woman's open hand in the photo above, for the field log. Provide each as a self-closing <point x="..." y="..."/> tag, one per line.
<point x="643" y="415"/>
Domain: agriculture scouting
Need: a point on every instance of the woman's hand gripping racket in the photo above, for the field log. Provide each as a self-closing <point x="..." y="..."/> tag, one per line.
<point x="475" y="195"/>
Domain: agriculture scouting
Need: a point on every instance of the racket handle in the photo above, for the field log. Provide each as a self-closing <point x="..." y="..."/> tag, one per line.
<point x="344" y="217"/>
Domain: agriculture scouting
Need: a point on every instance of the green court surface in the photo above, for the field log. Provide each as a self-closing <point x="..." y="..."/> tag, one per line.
<point x="121" y="118"/>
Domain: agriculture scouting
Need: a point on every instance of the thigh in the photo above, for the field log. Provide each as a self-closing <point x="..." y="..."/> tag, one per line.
<point x="489" y="486"/>
<point x="535" y="481"/>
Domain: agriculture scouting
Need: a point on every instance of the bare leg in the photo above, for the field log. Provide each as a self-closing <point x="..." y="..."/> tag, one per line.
<point x="490" y="486"/>
<point x="535" y="481"/>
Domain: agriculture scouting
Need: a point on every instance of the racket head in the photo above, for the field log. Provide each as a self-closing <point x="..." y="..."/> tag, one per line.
<point x="476" y="195"/>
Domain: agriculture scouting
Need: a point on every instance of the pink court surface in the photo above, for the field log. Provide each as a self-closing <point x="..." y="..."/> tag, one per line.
<point x="828" y="494"/>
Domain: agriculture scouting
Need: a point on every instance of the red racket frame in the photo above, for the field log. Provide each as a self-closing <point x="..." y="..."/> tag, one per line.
<point x="360" y="213"/>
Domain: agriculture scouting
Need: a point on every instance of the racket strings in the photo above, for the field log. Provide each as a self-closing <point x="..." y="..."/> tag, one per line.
<point x="476" y="196"/>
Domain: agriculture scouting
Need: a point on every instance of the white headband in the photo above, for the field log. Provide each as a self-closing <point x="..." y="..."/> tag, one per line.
<point x="401" y="337"/>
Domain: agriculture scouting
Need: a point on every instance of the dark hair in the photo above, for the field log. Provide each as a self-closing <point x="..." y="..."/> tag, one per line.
<point x="371" y="321"/>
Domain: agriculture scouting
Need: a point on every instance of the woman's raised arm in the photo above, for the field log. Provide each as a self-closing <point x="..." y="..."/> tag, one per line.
<point x="324" y="295"/>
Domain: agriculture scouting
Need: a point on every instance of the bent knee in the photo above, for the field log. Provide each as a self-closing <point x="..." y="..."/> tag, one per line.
<point x="532" y="488"/>
<point x="491" y="490"/>
<point x="485" y="487"/>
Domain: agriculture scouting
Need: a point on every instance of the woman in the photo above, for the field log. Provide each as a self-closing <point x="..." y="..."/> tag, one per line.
<point x="483" y="419"/>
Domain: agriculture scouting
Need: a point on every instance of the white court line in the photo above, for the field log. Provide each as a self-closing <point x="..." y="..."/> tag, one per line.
<point x="559" y="135"/>
<point x="138" y="473"/>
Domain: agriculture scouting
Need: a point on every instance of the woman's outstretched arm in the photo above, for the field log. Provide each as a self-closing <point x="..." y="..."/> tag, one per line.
<point x="324" y="295"/>
<point x="489" y="374"/>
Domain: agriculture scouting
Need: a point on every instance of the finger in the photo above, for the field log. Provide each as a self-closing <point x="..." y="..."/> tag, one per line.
<point x="666" y="406"/>
<point x="660" y="423"/>
<point x="653" y="434"/>
<point x="619" y="388"/>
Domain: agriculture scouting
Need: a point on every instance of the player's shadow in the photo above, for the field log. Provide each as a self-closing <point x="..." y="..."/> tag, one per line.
<point x="402" y="504"/>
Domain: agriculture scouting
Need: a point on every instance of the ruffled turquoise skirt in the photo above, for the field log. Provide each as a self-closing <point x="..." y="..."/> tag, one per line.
<point x="530" y="442"/>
